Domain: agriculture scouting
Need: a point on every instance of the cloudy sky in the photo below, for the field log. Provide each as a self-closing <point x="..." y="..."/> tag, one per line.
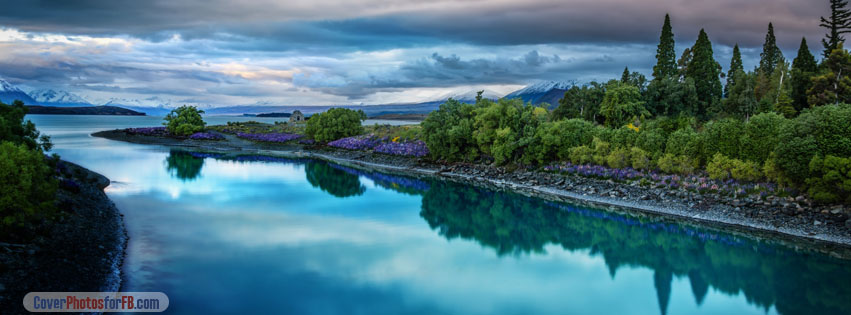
<point x="312" y="52"/>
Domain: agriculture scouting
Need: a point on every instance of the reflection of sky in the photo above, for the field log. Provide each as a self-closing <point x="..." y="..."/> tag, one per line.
<point x="257" y="238"/>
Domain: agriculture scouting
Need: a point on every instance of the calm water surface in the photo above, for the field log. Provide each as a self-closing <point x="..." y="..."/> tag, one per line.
<point x="253" y="235"/>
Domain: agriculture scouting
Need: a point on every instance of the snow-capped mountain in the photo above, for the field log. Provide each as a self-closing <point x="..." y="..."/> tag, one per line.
<point x="58" y="98"/>
<point x="470" y="96"/>
<point x="152" y="106"/>
<point x="542" y="92"/>
<point x="9" y="93"/>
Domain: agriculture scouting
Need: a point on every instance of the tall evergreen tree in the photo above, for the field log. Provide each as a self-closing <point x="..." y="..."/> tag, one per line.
<point x="834" y="84"/>
<point x="735" y="66"/>
<point x="837" y="24"/>
<point x="705" y="72"/>
<point x="625" y="75"/>
<point x="804" y="67"/>
<point x="666" y="57"/>
<point x="771" y="54"/>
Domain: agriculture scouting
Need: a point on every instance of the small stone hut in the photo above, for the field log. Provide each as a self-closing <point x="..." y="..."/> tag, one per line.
<point x="296" y="117"/>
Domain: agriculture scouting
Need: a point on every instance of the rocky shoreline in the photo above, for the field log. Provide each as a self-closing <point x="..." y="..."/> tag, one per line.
<point x="82" y="251"/>
<point x="825" y="228"/>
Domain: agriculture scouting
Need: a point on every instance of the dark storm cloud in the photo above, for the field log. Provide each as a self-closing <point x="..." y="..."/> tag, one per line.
<point x="376" y="24"/>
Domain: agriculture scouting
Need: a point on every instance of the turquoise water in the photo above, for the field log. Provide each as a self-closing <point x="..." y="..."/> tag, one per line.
<point x="252" y="235"/>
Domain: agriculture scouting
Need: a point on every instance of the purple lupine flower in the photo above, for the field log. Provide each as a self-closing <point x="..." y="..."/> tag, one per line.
<point x="277" y="137"/>
<point x="206" y="136"/>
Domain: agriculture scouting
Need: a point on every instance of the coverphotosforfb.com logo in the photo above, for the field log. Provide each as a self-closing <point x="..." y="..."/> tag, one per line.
<point x="95" y="302"/>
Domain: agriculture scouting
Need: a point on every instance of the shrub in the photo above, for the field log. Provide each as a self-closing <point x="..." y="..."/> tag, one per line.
<point x="684" y="142"/>
<point x="760" y="136"/>
<point x="722" y="167"/>
<point x="334" y="124"/>
<point x="506" y="129"/>
<point x="184" y="121"/>
<point x="639" y="159"/>
<point x="448" y="132"/>
<point x="830" y="180"/>
<point x="581" y="155"/>
<point x="619" y="158"/>
<point x="652" y="141"/>
<point x="601" y="151"/>
<point x="555" y="139"/>
<point x="623" y="137"/>
<point x="27" y="188"/>
<point x="823" y="130"/>
<point x="719" y="167"/>
<point x="676" y="164"/>
<point x="722" y="136"/>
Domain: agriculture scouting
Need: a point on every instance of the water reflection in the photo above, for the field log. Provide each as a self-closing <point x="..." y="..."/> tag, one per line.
<point x="768" y="275"/>
<point x="516" y="226"/>
<point x="183" y="165"/>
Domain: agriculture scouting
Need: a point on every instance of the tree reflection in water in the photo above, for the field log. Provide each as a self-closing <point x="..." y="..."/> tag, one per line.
<point x="767" y="274"/>
<point x="183" y="165"/>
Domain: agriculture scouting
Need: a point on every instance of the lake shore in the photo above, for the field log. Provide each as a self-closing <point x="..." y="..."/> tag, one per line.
<point x="824" y="228"/>
<point x="82" y="251"/>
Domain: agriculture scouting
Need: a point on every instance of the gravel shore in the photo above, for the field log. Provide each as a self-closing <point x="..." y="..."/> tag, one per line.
<point x="82" y="251"/>
<point x="826" y="228"/>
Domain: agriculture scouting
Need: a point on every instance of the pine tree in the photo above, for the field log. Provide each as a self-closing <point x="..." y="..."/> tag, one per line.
<point x="666" y="57"/>
<point x="735" y="65"/>
<point x="771" y="54"/>
<point x="705" y="72"/>
<point x="741" y="101"/>
<point x="837" y="24"/>
<point x="625" y="75"/>
<point x="834" y="84"/>
<point x="804" y="67"/>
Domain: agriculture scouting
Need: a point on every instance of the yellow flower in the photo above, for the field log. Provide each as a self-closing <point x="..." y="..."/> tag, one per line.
<point x="396" y="139"/>
<point x="633" y="127"/>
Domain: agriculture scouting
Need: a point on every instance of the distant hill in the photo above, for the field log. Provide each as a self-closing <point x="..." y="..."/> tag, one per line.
<point x="543" y="92"/>
<point x="274" y="115"/>
<point x="9" y="93"/>
<point x="87" y="110"/>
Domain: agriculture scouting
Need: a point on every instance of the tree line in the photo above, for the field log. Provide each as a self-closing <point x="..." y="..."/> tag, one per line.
<point x="787" y="123"/>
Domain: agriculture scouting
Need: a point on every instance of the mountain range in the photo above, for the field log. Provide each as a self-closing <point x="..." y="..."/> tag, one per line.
<point x="541" y="92"/>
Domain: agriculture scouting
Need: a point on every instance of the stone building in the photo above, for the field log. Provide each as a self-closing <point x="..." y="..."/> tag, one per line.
<point x="296" y="117"/>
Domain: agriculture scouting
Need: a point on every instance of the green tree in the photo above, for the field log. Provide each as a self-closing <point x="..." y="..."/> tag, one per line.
<point x="822" y="130"/>
<point x="625" y="75"/>
<point x="448" y="132"/>
<point x="334" y="124"/>
<point x="581" y="102"/>
<point x="705" y="72"/>
<point x="778" y="90"/>
<point x="621" y="105"/>
<point x="741" y="101"/>
<point x="771" y="54"/>
<point x="760" y="136"/>
<point x="670" y="97"/>
<point x="183" y="165"/>
<point x="722" y="136"/>
<point x="666" y="58"/>
<point x="504" y="129"/>
<point x="15" y="129"/>
<point x="833" y="86"/>
<point x="27" y="187"/>
<point x="838" y="23"/>
<point x="184" y="120"/>
<point x="804" y="67"/>
<point x="735" y="66"/>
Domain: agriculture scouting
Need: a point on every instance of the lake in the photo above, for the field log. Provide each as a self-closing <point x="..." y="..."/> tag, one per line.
<point x="257" y="235"/>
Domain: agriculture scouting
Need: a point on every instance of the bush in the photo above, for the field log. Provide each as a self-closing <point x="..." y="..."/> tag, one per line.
<point x="601" y="151"/>
<point x="684" y="142"/>
<point x="639" y="159"/>
<point x="506" y="129"/>
<point x="581" y="155"/>
<point x="619" y="158"/>
<point x="621" y="105"/>
<point x="652" y="141"/>
<point x="823" y="130"/>
<point x="761" y="136"/>
<point x="722" y="167"/>
<point x="27" y="187"/>
<point x="830" y="180"/>
<point x="676" y="164"/>
<point x="555" y="139"/>
<point x="722" y="136"/>
<point x="334" y="124"/>
<point x="623" y="137"/>
<point x="448" y="132"/>
<point x="184" y="121"/>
